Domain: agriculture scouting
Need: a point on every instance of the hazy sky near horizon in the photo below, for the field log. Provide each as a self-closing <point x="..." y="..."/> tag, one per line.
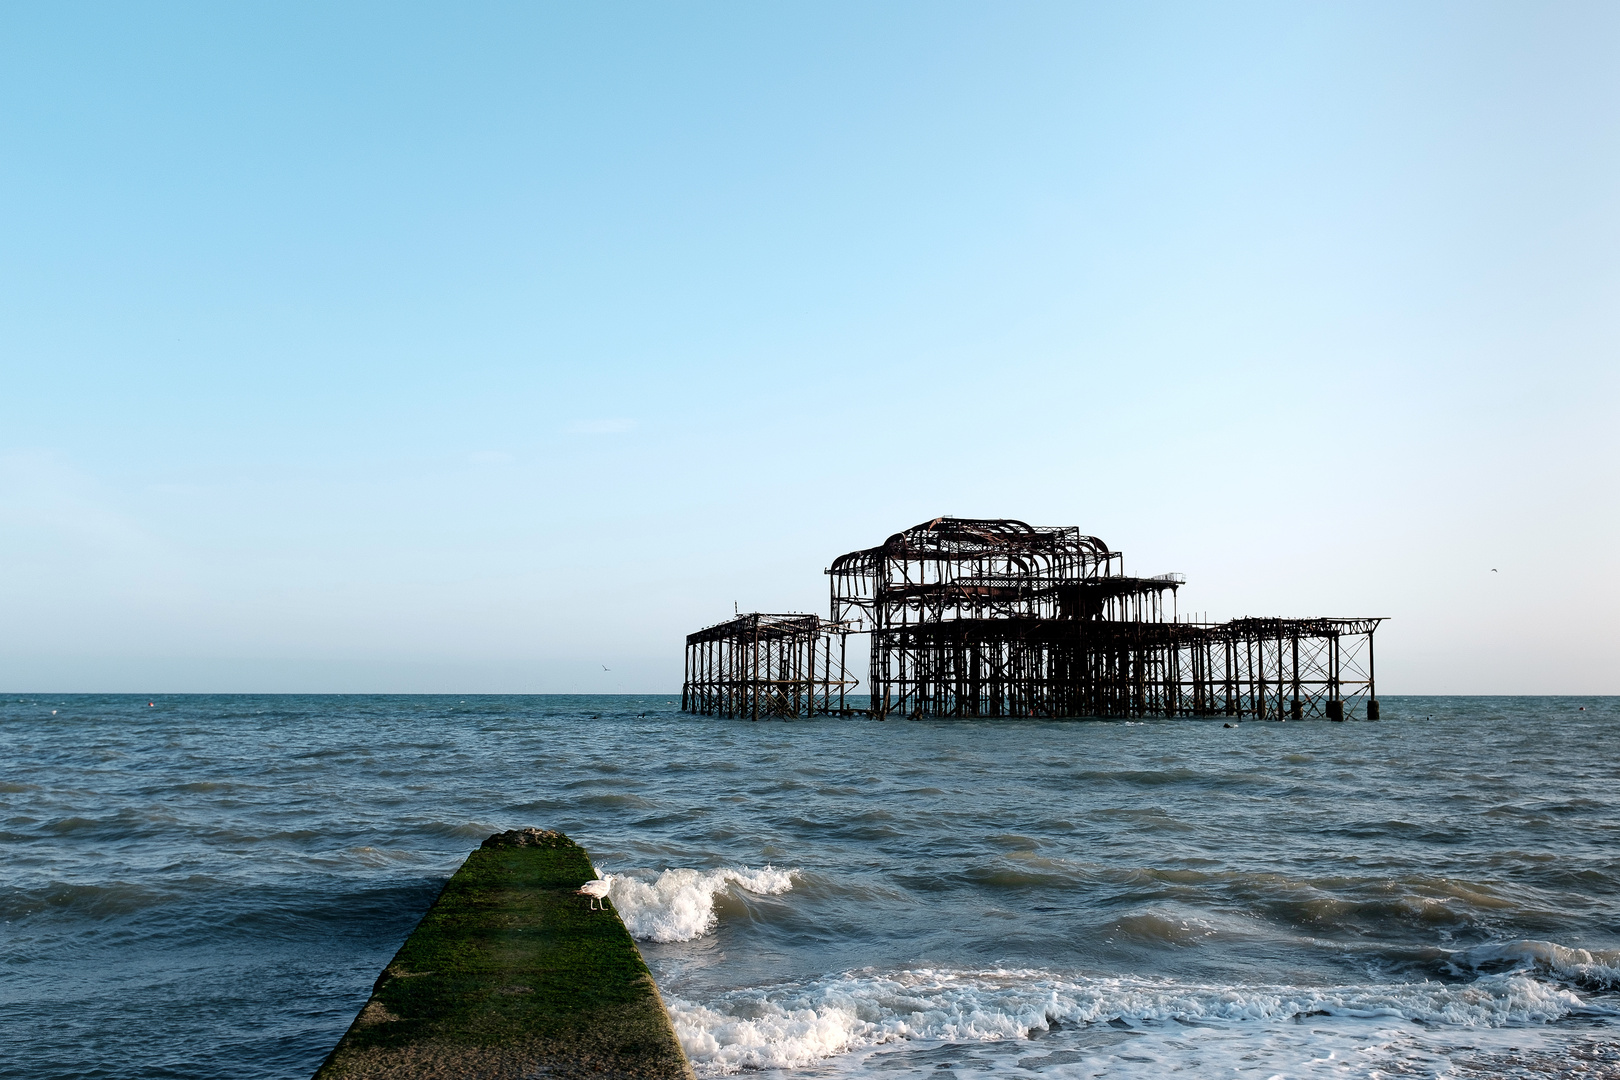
<point x="394" y="347"/>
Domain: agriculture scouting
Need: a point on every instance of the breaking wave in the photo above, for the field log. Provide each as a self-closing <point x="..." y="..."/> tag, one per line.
<point x="793" y="1026"/>
<point x="679" y="904"/>
<point x="1596" y="969"/>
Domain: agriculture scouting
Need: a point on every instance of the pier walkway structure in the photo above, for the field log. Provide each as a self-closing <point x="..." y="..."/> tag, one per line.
<point x="996" y="617"/>
<point x="768" y="665"/>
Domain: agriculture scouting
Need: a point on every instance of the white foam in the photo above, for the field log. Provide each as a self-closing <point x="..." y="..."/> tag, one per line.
<point x="679" y="904"/>
<point x="795" y="1026"/>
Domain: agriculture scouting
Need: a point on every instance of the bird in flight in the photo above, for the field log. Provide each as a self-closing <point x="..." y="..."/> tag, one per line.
<point x="1493" y="570"/>
<point x="606" y="668"/>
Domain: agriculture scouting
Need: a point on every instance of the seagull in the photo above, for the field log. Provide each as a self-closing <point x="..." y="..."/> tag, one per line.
<point x="606" y="668"/>
<point x="1493" y="570"/>
<point x="597" y="890"/>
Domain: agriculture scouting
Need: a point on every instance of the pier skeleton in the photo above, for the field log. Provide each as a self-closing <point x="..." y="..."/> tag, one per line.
<point x="995" y="617"/>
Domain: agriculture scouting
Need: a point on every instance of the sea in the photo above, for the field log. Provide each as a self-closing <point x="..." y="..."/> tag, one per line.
<point x="207" y="886"/>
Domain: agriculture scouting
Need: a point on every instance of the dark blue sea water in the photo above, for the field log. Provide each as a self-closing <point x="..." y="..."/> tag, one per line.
<point x="207" y="886"/>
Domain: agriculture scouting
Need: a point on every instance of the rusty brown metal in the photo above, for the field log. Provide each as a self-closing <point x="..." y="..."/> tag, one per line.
<point x="762" y="665"/>
<point x="995" y="617"/>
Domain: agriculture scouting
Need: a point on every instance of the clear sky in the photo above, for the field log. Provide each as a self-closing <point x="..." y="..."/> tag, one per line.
<point x="479" y="347"/>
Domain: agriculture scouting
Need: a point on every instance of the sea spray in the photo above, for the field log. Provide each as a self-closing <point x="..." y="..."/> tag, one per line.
<point x="679" y="904"/>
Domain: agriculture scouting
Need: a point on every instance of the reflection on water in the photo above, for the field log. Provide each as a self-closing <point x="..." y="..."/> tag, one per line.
<point x="209" y="887"/>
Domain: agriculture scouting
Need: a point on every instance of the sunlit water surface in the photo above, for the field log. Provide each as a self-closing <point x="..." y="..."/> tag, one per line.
<point x="207" y="886"/>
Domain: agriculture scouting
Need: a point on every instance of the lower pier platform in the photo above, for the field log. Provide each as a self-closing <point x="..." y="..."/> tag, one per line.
<point x="509" y="975"/>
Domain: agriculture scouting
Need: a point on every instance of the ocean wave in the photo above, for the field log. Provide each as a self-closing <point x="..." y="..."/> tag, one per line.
<point x="679" y="904"/>
<point x="791" y="1027"/>
<point x="366" y="855"/>
<point x="466" y="830"/>
<point x="1163" y="928"/>
<point x="1595" y="968"/>
<point x="100" y="900"/>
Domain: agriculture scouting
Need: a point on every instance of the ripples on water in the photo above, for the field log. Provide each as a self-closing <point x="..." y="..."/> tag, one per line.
<point x="208" y="886"/>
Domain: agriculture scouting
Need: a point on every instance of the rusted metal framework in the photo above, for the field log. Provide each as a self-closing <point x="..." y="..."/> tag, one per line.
<point x="761" y="665"/>
<point x="976" y="617"/>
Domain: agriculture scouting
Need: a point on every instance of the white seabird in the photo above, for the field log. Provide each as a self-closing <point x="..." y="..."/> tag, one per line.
<point x="597" y="890"/>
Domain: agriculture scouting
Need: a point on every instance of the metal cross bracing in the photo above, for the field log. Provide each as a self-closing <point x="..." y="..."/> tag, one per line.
<point x="1281" y="669"/>
<point x="767" y="665"/>
<point x="994" y="617"/>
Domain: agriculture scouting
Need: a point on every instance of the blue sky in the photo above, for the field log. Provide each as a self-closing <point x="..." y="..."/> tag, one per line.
<point x="392" y="347"/>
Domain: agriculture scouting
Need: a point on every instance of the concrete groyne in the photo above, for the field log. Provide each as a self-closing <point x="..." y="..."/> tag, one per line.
<point x="509" y="975"/>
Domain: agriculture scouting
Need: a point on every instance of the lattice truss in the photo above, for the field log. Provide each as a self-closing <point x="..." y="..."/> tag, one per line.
<point x="971" y="617"/>
<point x="767" y="665"/>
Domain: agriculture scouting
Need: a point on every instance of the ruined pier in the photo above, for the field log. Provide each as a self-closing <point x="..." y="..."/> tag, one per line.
<point x="972" y="617"/>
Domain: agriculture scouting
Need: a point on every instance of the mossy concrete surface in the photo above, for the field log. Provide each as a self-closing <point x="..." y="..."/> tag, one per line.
<point x="511" y="975"/>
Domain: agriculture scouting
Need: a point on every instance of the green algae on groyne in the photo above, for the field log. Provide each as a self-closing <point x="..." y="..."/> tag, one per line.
<point x="510" y="974"/>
